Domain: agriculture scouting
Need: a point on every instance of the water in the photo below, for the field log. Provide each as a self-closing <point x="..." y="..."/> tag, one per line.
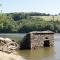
<point x="14" y="36"/>
<point x="47" y="53"/>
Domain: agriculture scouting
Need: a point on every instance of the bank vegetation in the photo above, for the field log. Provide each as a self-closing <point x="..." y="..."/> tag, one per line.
<point x="25" y="22"/>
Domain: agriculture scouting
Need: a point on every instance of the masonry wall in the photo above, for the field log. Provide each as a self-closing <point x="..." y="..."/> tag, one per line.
<point x="25" y="42"/>
<point x="37" y="40"/>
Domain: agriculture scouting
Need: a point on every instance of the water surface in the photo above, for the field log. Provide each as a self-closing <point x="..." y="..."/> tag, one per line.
<point x="46" y="53"/>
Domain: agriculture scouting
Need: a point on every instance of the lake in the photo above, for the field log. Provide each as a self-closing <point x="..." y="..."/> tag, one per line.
<point x="46" y="53"/>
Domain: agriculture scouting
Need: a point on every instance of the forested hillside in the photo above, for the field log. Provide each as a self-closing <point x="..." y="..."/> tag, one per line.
<point x="24" y="22"/>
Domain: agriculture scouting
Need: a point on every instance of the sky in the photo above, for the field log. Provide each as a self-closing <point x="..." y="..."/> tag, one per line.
<point x="42" y="6"/>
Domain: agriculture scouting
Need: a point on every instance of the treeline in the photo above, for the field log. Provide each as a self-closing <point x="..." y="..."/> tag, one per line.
<point x="22" y="15"/>
<point x="38" y="14"/>
<point x="23" y="22"/>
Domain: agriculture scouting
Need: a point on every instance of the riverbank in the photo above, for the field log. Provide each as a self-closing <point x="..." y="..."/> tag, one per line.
<point x="11" y="56"/>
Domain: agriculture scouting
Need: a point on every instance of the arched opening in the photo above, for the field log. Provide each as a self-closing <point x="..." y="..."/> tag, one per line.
<point x="46" y="38"/>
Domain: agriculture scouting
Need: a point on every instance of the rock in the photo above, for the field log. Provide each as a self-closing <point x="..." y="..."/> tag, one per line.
<point x="7" y="45"/>
<point x="8" y="50"/>
<point x="5" y="56"/>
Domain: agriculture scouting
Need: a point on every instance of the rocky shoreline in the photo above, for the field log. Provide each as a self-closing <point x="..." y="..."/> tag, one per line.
<point x="8" y="49"/>
<point x="11" y="56"/>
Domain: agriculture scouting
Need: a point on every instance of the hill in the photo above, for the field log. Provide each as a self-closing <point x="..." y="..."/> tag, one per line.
<point x="48" y="18"/>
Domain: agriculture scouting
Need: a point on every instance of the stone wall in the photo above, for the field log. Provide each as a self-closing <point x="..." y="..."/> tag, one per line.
<point x="25" y="42"/>
<point x="37" y="40"/>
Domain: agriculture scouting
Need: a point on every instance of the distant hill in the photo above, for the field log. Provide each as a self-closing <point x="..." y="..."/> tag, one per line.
<point x="48" y="18"/>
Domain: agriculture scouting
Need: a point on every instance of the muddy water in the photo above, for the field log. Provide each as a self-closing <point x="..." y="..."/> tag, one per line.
<point x="47" y="53"/>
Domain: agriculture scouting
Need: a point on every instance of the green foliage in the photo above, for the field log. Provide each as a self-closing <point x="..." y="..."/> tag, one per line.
<point x="23" y="22"/>
<point x="7" y="24"/>
<point x="18" y="16"/>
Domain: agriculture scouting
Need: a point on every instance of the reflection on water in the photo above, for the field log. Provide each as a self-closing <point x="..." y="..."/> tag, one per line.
<point x="37" y="54"/>
<point x="46" y="53"/>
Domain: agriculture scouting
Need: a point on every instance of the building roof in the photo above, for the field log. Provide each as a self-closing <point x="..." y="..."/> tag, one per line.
<point x="42" y="32"/>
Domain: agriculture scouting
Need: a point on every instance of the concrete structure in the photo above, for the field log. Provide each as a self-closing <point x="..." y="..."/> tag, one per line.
<point x="37" y="39"/>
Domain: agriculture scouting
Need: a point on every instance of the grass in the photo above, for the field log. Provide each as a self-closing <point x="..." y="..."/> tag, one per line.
<point x="48" y="18"/>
